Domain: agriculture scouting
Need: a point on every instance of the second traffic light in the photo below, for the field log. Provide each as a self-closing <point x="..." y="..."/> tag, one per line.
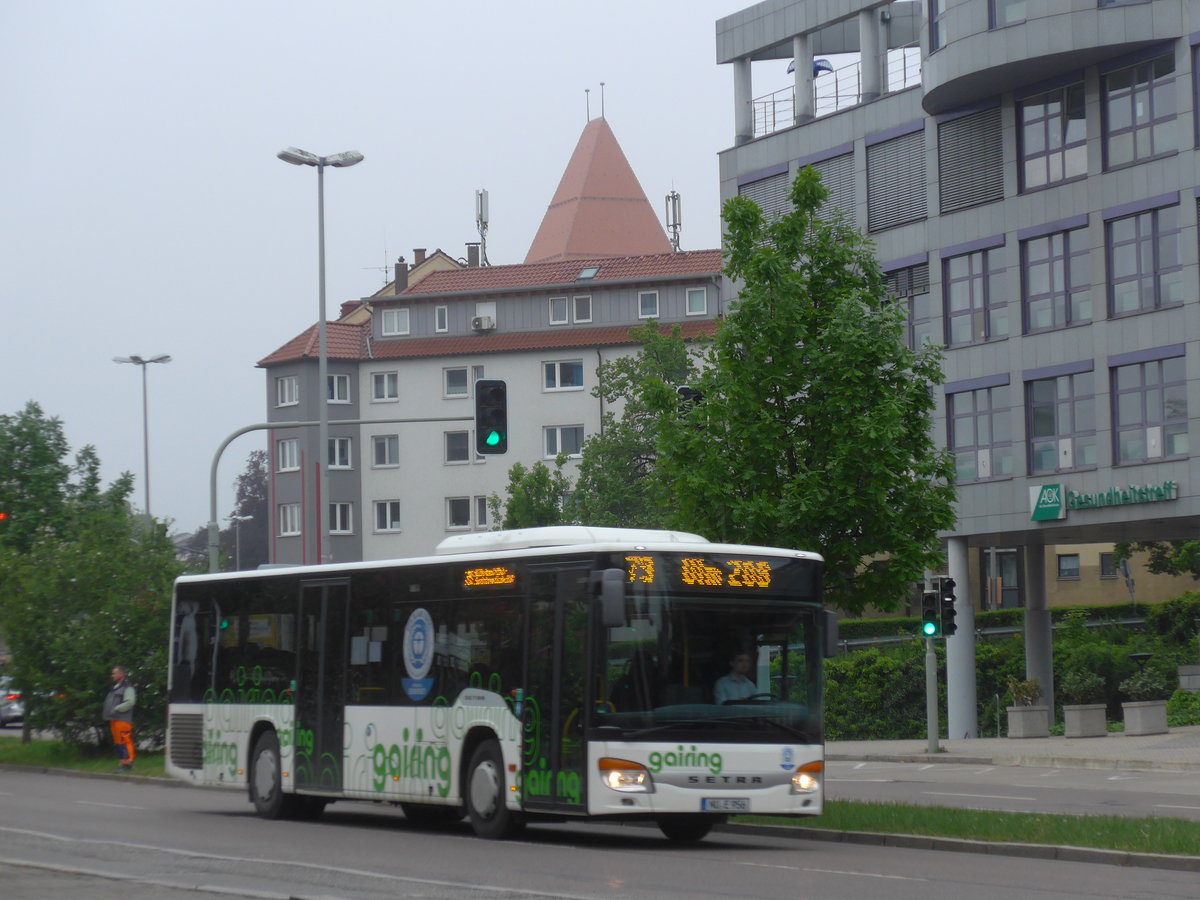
<point x="929" y="614"/>
<point x="947" y="603"/>
<point x="491" y="417"/>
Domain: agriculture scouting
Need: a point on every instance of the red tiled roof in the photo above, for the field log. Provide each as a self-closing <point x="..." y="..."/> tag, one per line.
<point x="342" y="342"/>
<point x="493" y="342"/>
<point x="566" y="272"/>
<point x="599" y="208"/>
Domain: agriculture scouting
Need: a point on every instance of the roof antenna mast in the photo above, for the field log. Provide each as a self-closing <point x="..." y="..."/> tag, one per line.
<point x="674" y="219"/>
<point x="587" y="102"/>
<point x="481" y="224"/>
<point x="602" y="99"/>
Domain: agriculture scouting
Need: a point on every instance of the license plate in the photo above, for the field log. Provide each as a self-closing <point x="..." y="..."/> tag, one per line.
<point x="725" y="804"/>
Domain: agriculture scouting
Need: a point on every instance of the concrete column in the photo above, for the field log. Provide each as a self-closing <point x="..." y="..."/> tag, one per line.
<point x="805" y="105"/>
<point x="1039" y="641"/>
<point x="870" y="42"/>
<point x="743" y="102"/>
<point x="961" y="702"/>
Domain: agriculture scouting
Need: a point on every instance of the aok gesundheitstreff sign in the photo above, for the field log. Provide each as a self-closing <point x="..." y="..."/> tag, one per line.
<point x="1052" y="501"/>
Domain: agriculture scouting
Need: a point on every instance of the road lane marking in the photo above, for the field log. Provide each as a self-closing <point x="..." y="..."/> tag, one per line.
<point x="754" y="865"/>
<point x="1173" y="806"/>
<point x="979" y="796"/>
<point x="110" y="805"/>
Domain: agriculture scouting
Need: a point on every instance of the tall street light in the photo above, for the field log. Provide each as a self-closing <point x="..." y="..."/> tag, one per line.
<point x="139" y="361"/>
<point x="343" y="160"/>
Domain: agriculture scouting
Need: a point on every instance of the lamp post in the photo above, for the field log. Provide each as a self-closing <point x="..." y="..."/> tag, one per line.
<point x="140" y="361"/>
<point x="342" y="160"/>
<point x="236" y="521"/>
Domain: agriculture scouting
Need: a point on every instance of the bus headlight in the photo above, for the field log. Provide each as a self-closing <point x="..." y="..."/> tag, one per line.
<point x="626" y="776"/>
<point x="807" y="778"/>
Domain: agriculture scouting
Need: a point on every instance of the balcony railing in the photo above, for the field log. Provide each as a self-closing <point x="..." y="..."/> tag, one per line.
<point x="835" y="90"/>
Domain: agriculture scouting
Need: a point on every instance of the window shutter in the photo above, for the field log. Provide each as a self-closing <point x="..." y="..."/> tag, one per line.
<point x="837" y="175"/>
<point x="970" y="160"/>
<point x="896" y="182"/>
<point x="771" y="195"/>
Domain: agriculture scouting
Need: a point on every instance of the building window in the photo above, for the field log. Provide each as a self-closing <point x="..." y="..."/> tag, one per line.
<point x="385" y="450"/>
<point x="563" y="439"/>
<point x="481" y="512"/>
<point x="385" y="386"/>
<point x="339" y="453"/>
<point x="937" y="24"/>
<point x="289" y="519"/>
<point x="971" y="160"/>
<point x="583" y="307"/>
<point x="1150" y="410"/>
<point x="981" y="433"/>
<point x="1062" y="423"/>
<point x="558" y="310"/>
<point x="1006" y="12"/>
<point x="1068" y="566"/>
<point x="1139" y="111"/>
<point x="454" y="382"/>
<point x="458" y="512"/>
<point x="1052" y="137"/>
<point x="338" y="388"/>
<point x="697" y="301"/>
<point x="565" y="375"/>
<point x="896" y="191"/>
<point x="458" y="447"/>
<point x="387" y="515"/>
<point x="1108" y="566"/>
<point x="394" y="322"/>
<point x="1144" y="270"/>
<point x="287" y="455"/>
<point x="1056" y="286"/>
<point x="340" y="518"/>
<point x="976" y="304"/>
<point x="441" y="319"/>
<point x="287" y="390"/>
<point x="911" y="285"/>
<point x="647" y="304"/>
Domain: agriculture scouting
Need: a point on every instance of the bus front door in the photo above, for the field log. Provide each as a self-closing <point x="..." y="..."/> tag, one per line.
<point x="320" y="686"/>
<point x="554" y="752"/>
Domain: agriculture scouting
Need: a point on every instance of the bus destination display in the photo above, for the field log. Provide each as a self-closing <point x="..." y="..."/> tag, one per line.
<point x="701" y="572"/>
<point x="487" y="576"/>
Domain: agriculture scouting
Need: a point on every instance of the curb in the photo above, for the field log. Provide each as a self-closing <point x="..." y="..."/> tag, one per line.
<point x="968" y="845"/>
<point x="1046" y="762"/>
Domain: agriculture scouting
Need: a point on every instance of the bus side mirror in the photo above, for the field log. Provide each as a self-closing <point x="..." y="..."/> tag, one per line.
<point x="612" y="597"/>
<point x="831" y="634"/>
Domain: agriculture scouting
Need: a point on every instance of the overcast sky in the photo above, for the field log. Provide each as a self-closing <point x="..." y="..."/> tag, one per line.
<point x="144" y="211"/>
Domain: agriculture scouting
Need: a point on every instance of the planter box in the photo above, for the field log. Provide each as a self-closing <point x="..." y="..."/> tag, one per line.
<point x="1085" y="720"/>
<point x="1189" y="678"/>
<point x="1028" y="721"/>
<point x="1145" y="716"/>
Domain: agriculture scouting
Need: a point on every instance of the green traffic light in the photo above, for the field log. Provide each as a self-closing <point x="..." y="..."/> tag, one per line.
<point x="929" y="628"/>
<point x="492" y="439"/>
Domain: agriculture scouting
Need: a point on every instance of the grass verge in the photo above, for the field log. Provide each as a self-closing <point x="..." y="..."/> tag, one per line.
<point x="1136" y="835"/>
<point x="1171" y="836"/>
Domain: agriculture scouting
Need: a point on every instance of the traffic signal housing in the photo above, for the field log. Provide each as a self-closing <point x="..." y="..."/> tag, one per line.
<point x="491" y="417"/>
<point x="929" y="614"/>
<point x="946" y="589"/>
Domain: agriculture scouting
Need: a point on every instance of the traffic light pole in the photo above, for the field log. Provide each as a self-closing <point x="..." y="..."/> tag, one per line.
<point x="931" y="696"/>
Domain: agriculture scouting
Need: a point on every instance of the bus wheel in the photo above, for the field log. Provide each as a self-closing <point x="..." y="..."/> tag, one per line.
<point x="431" y="816"/>
<point x="266" y="791"/>
<point x="485" y="792"/>
<point x="685" y="829"/>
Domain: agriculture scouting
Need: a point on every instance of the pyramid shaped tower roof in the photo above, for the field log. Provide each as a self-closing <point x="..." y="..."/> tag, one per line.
<point x="599" y="208"/>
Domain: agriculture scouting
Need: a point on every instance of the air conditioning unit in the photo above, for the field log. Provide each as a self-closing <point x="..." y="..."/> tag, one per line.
<point x="483" y="323"/>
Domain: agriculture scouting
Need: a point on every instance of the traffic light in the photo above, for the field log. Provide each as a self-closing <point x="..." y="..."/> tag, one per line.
<point x="491" y="417"/>
<point x="929" y="614"/>
<point x="948" y="613"/>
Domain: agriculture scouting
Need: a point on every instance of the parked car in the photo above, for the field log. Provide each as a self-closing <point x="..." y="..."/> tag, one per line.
<point x="11" y="707"/>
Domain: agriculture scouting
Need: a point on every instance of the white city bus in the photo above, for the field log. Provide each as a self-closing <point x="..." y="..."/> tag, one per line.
<point x="548" y="673"/>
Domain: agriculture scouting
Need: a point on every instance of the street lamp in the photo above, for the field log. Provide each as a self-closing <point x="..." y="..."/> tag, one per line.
<point x="139" y="361"/>
<point x="343" y="160"/>
<point x="236" y="521"/>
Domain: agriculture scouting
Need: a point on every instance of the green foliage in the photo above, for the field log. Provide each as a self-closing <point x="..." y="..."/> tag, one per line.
<point x="1024" y="691"/>
<point x="34" y="476"/>
<point x="814" y="430"/>
<point x="1080" y="686"/>
<point x="619" y="483"/>
<point x="876" y="694"/>
<point x="1149" y="682"/>
<point x="535" y="496"/>
<point x="1170" y="558"/>
<point x="1177" y="620"/>
<point x="1183" y="709"/>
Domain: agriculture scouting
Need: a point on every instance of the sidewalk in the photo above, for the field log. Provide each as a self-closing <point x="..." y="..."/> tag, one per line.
<point x="1176" y="751"/>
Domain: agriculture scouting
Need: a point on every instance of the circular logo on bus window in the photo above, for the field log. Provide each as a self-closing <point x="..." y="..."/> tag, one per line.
<point x="418" y="644"/>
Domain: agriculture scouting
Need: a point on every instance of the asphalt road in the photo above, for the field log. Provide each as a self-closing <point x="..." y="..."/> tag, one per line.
<point x="120" y="838"/>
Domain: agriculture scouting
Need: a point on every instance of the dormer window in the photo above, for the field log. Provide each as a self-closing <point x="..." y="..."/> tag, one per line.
<point x="394" y="322"/>
<point x="588" y="273"/>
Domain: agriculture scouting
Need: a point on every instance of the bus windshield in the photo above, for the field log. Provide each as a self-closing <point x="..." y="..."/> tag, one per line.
<point x="699" y="668"/>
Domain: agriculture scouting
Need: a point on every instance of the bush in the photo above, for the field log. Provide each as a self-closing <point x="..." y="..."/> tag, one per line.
<point x="876" y="694"/>
<point x="1183" y="709"/>
<point x="1149" y="683"/>
<point x="1081" y="686"/>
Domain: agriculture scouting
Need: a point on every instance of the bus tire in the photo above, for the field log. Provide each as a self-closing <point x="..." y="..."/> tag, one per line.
<point x="486" y="794"/>
<point x="266" y="788"/>
<point x="685" y="829"/>
<point x="425" y="814"/>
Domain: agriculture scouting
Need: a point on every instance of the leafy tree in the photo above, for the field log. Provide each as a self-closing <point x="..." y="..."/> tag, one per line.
<point x="618" y="483"/>
<point x="247" y="543"/>
<point x="34" y="486"/>
<point x="814" y="427"/>
<point x="535" y="496"/>
<point x="1170" y="558"/>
